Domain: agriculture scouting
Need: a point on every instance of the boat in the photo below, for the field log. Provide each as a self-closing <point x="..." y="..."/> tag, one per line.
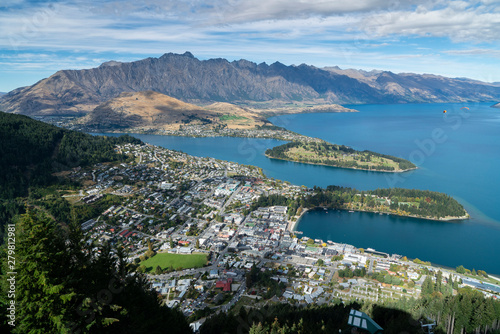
<point x="350" y="211"/>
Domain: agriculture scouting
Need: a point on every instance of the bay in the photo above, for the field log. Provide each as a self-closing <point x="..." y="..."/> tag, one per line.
<point x="449" y="244"/>
<point x="457" y="153"/>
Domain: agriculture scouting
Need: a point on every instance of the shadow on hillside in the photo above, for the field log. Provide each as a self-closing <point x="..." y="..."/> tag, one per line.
<point x="395" y="321"/>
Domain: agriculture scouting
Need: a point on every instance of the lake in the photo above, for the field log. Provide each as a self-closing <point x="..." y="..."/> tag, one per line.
<point x="457" y="152"/>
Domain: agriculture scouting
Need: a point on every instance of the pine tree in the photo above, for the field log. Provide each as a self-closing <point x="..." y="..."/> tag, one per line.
<point x="439" y="279"/>
<point x="427" y="286"/>
<point x="257" y="329"/>
<point x="43" y="276"/>
<point x="63" y="287"/>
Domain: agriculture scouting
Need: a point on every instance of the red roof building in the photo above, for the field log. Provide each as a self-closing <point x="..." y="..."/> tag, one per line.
<point x="224" y="284"/>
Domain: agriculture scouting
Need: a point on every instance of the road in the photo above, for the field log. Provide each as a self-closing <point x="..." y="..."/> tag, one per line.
<point x="370" y="266"/>
<point x="221" y="211"/>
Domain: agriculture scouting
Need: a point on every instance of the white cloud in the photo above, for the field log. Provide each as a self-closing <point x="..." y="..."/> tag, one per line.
<point x="459" y="21"/>
<point x="475" y="52"/>
<point x="320" y="32"/>
<point x="73" y="25"/>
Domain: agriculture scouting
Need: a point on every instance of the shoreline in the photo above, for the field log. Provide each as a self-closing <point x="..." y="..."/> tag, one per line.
<point x="445" y="219"/>
<point x="293" y="225"/>
<point x="266" y="155"/>
<point x="355" y="168"/>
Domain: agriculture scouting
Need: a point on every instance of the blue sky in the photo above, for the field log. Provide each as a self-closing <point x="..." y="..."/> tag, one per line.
<point x="450" y="38"/>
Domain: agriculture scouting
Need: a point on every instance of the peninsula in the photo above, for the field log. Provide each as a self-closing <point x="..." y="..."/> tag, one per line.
<point x="154" y="113"/>
<point x="320" y="152"/>
<point x="423" y="204"/>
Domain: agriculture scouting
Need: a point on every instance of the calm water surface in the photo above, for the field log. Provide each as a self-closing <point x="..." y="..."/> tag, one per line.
<point x="457" y="153"/>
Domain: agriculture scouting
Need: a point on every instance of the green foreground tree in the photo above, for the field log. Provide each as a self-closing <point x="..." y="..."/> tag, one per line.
<point x="66" y="286"/>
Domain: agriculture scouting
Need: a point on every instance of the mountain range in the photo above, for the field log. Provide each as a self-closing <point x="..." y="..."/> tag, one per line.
<point x="242" y="82"/>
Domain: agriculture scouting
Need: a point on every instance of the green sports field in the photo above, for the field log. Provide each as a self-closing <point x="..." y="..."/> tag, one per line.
<point x="167" y="260"/>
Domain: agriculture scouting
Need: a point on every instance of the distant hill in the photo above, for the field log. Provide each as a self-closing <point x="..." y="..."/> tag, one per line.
<point x="186" y="78"/>
<point x="32" y="151"/>
<point x="410" y="87"/>
<point x="150" y="109"/>
<point x="496" y="105"/>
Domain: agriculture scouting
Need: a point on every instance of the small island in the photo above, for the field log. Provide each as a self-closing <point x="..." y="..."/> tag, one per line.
<point x="320" y="152"/>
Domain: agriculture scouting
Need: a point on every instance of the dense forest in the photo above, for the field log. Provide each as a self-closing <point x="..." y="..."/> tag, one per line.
<point x="32" y="151"/>
<point x="65" y="285"/>
<point x="422" y="203"/>
<point x="332" y="155"/>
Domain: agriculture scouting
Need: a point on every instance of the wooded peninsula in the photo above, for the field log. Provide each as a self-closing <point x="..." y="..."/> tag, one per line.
<point x="416" y="203"/>
<point x="323" y="153"/>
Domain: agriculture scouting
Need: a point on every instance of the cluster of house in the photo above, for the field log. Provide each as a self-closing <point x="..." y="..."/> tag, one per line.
<point x="193" y="194"/>
<point x="308" y="296"/>
<point x="210" y="131"/>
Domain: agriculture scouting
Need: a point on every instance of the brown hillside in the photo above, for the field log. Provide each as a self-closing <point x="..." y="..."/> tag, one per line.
<point x="153" y="110"/>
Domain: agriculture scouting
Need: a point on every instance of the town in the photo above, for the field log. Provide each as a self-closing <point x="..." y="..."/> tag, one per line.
<point x="192" y="225"/>
<point x="190" y="130"/>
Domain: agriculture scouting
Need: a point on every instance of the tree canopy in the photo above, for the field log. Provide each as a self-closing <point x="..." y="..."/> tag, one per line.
<point x="65" y="286"/>
<point x="32" y="151"/>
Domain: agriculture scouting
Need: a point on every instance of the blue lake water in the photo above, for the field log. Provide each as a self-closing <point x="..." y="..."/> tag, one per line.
<point x="457" y="152"/>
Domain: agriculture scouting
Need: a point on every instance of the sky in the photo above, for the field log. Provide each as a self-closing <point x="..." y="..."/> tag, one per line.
<point x="449" y="38"/>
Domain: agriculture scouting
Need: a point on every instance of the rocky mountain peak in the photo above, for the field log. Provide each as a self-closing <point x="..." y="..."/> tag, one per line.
<point x="186" y="78"/>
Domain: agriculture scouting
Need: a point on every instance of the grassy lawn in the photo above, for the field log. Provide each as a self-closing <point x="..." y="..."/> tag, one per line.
<point x="165" y="260"/>
<point x="299" y="153"/>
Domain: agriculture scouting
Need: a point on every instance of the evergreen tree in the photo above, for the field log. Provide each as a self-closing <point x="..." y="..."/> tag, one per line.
<point x="62" y="287"/>
<point x="427" y="286"/>
<point x="257" y="329"/>
<point x="439" y="278"/>
<point x="44" y="275"/>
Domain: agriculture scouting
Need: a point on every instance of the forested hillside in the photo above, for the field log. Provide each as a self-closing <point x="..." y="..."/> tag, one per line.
<point x="31" y="151"/>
